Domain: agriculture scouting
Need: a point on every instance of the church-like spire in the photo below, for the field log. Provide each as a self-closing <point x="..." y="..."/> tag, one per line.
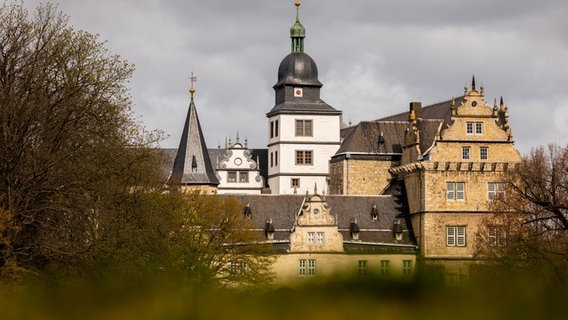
<point x="297" y="32"/>
<point x="192" y="165"/>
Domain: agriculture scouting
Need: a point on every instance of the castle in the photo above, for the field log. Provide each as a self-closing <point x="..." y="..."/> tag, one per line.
<point x="395" y="194"/>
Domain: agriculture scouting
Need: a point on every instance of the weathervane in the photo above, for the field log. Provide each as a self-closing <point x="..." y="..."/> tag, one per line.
<point x="193" y="79"/>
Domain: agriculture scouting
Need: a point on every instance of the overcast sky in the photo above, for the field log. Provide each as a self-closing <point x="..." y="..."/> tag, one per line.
<point x="373" y="56"/>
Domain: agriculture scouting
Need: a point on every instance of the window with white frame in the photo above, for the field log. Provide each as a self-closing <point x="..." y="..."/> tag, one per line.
<point x="243" y="176"/>
<point x="483" y="153"/>
<point x="466" y="153"/>
<point x="479" y="128"/>
<point x="304" y="128"/>
<point x="455" y="191"/>
<point x="304" y="157"/>
<point x="496" y="236"/>
<point x="320" y="238"/>
<point x="469" y="127"/>
<point x="406" y="267"/>
<point x="276" y="158"/>
<point x="455" y="236"/>
<point x="495" y="190"/>
<point x="238" y="268"/>
<point x="271" y="159"/>
<point x="362" y="267"/>
<point x="311" y="237"/>
<point x="385" y="267"/>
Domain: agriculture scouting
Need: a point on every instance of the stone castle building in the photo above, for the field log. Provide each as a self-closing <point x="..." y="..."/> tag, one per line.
<point x="405" y="191"/>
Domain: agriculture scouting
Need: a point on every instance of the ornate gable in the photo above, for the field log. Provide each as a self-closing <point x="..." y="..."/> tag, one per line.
<point x="315" y="229"/>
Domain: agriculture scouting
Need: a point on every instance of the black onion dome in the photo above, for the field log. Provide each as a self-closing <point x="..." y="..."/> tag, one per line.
<point x="298" y="68"/>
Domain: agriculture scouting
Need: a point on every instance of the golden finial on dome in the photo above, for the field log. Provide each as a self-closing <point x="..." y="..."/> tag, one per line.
<point x="297" y="4"/>
<point x="191" y="90"/>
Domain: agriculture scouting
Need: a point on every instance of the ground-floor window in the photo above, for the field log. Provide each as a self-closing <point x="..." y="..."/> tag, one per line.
<point x="385" y="267"/>
<point x="362" y="267"/>
<point x="406" y="267"/>
<point x="307" y="267"/>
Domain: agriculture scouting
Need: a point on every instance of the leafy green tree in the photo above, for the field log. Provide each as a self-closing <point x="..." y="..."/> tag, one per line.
<point x="529" y="230"/>
<point x="194" y="239"/>
<point x="70" y="144"/>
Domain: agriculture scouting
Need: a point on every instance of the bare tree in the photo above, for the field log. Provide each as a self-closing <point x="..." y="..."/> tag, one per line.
<point x="529" y="229"/>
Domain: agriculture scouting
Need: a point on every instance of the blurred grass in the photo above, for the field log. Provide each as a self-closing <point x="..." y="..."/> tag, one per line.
<point x="352" y="298"/>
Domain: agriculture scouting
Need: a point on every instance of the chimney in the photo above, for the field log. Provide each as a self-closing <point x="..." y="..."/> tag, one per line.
<point x="417" y="107"/>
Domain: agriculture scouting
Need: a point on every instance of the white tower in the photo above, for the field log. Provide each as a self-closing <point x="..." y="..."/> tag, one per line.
<point x="303" y="129"/>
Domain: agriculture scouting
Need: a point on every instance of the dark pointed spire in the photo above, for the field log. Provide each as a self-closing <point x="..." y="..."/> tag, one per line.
<point x="297" y="32"/>
<point x="192" y="165"/>
<point x="473" y="82"/>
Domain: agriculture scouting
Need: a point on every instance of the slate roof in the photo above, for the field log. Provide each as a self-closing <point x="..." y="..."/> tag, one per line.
<point x="315" y="107"/>
<point x="440" y="110"/>
<point x="283" y="209"/>
<point x="364" y="137"/>
<point x="192" y="165"/>
<point x="378" y="137"/>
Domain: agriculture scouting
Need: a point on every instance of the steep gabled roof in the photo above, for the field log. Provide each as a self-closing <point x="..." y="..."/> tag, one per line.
<point x="192" y="165"/>
<point x="374" y="137"/>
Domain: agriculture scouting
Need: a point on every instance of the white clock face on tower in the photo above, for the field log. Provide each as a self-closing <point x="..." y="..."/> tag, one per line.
<point x="298" y="92"/>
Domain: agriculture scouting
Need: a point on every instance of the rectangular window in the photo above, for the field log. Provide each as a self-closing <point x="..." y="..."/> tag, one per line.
<point x="276" y="158"/>
<point x="469" y="127"/>
<point x="455" y="190"/>
<point x="479" y="128"/>
<point x="271" y="129"/>
<point x="238" y="268"/>
<point x="311" y="267"/>
<point x="496" y="236"/>
<point x="302" y="267"/>
<point x="455" y="236"/>
<point x="362" y="267"/>
<point x="495" y="190"/>
<point x="276" y="128"/>
<point x="232" y="176"/>
<point x="311" y="237"/>
<point x="320" y="238"/>
<point x="466" y="153"/>
<point x="304" y="128"/>
<point x="385" y="267"/>
<point x="271" y="159"/>
<point x="303" y="157"/>
<point x="406" y="267"/>
<point x="456" y="280"/>
<point x="295" y="182"/>
<point x="243" y="176"/>
<point x="484" y="153"/>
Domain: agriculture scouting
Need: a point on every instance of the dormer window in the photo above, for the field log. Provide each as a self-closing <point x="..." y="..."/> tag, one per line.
<point x="354" y="230"/>
<point x="248" y="211"/>
<point x="193" y="164"/>
<point x="397" y="230"/>
<point x="374" y="212"/>
<point x="269" y="230"/>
